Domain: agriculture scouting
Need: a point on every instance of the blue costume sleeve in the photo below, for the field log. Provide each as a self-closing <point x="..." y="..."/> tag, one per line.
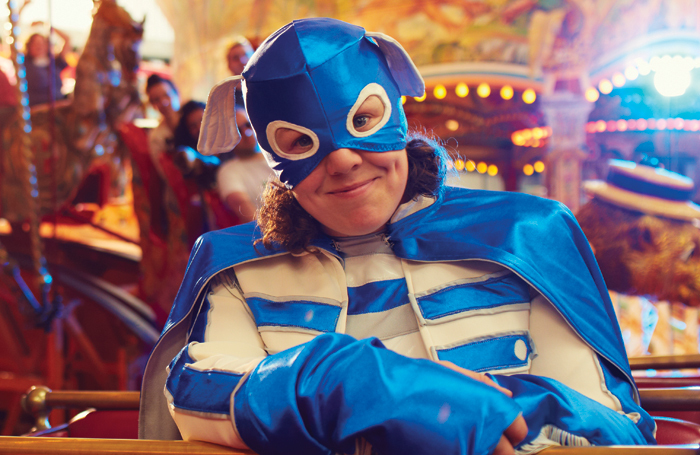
<point x="324" y="395"/>
<point x="556" y="412"/>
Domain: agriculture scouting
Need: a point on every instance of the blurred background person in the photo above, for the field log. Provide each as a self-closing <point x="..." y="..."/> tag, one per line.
<point x="44" y="79"/>
<point x="237" y="56"/>
<point x="164" y="97"/>
<point x="242" y="179"/>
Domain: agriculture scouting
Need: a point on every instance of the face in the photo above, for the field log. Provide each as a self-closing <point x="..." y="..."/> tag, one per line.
<point x="194" y="122"/>
<point x="247" y="137"/>
<point x="237" y="58"/>
<point x="38" y="46"/>
<point x="163" y="98"/>
<point x="351" y="192"/>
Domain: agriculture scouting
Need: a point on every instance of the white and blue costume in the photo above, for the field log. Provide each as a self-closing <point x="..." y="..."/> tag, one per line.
<point x="329" y="351"/>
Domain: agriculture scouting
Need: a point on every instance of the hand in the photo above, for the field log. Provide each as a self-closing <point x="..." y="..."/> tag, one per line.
<point x="481" y="377"/>
<point x="515" y="433"/>
<point x="517" y="430"/>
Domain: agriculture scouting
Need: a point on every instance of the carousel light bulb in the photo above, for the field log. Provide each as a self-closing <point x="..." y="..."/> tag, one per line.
<point x="440" y="91"/>
<point x="459" y="165"/>
<point x="618" y="79"/>
<point x="539" y="167"/>
<point x="605" y="86"/>
<point x="529" y="96"/>
<point x="492" y="170"/>
<point x="592" y="95"/>
<point x="528" y="169"/>
<point x="643" y="67"/>
<point x="452" y="125"/>
<point x="506" y="92"/>
<point x="481" y="168"/>
<point x="470" y="166"/>
<point x="462" y="90"/>
<point x="421" y="98"/>
<point x="483" y="90"/>
<point x="631" y="73"/>
<point x="672" y="79"/>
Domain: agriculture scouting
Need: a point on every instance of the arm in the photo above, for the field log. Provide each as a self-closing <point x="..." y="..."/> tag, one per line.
<point x="572" y="396"/>
<point x="326" y="395"/>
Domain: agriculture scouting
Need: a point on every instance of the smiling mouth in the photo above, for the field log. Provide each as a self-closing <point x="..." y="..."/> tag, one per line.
<point x="354" y="188"/>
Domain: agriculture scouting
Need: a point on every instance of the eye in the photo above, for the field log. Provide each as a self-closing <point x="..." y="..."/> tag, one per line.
<point x="293" y="142"/>
<point x="359" y="121"/>
<point x="371" y="111"/>
<point x="369" y="114"/>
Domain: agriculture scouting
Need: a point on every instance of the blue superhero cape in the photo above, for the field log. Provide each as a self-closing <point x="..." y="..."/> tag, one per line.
<point x="538" y="239"/>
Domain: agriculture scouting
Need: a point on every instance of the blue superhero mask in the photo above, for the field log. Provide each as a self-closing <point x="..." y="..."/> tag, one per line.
<point x="311" y="76"/>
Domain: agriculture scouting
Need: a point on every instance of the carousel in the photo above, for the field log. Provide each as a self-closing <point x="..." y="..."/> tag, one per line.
<point x="527" y="96"/>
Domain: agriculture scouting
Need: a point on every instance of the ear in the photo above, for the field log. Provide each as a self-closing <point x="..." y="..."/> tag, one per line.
<point x="219" y="133"/>
<point x="402" y="67"/>
<point x="642" y="235"/>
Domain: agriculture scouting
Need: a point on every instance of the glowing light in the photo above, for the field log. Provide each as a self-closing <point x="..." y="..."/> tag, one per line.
<point x="621" y="125"/>
<point x="618" y="79"/>
<point x="483" y="90"/>
<point x="517" y="138"/>
<point x="547" y="131"/>
<point x="694" y="125"/>
<point x="403" y="99"/>
<point x="526" y="134"/>
<point x="420" y="99"/>
<point x="641" y="124"/>
<point x="697" y="62"/>
<point x="459" y="165"/>
<point x="655" y="63"/>
<point x="539" y="167"/>
<point x="660" y="124"/>
<point x="529" y="96"/>
<point x="689" y="63"/>
<point x="590" y="127"/>
<point x="679" y="123"/>
<point x="605" y="86"/>
<point x="631" y="124"/>
<point x="611" y="125"/>
<point x="470" y="166"/>
<point x="481" y="167"/>
<point x="631" y="73"/>
<point x="492" y="170"/>
<point x="651" y="123"/>
<point x="462" y="90"/>
<point x="537" y="133"/>
<point x="506" y="92"/>
<point x="8" y="25"/>
<point x="452" y="125"/>
<point x="673" y="77"/>
<point x="10" y="40"/>
<point x="528" y="169"/>
<point x="440" y="91"/>
<point x="592" y="95"/>
<point x="643" y="67"/>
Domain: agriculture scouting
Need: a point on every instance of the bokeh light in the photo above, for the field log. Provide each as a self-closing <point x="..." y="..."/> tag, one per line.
<point x="420" y="98"/>
<point x="592" y="95"/>
<point x="618" y="79"/>
<point x="462" y="90"/>
<point x="481" y="167"/>
<point x="483" y="90"/>
<point x="506" y="92"/>
<point x="452" y="125"/>
<point x="529" y="96"/>
<point x="528" y="169"/>
<point x="440" y="91"/>
<point x="539" y="167"/>
<point x="492" y="170"/>
<point x="605" y="86"/>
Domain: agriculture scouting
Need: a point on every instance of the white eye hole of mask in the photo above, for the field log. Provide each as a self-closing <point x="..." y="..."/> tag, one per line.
<point x="272" y="131"/>
<point x="372" y="89"/>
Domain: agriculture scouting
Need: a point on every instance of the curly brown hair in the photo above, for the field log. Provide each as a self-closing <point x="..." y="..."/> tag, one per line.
<point x="283" y="222"/>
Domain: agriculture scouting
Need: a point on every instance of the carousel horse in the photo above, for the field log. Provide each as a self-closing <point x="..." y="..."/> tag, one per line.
<point x="74" y="138"/>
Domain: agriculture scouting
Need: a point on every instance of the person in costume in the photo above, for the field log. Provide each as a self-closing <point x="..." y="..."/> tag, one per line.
<point x="371" y="309"/>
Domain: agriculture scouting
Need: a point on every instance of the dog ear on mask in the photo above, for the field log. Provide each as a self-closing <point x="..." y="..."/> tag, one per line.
<point x="402" y="68"/>
<point x="219" y="132"/>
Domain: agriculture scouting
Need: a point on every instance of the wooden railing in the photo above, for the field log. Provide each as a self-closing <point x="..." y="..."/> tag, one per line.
<point x="665" y="362"/>
<point x="43" y="446"/>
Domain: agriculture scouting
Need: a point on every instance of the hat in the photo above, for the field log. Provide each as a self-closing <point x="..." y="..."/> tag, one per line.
<point x="646" y="189"/>
<point x="311" y="76"/>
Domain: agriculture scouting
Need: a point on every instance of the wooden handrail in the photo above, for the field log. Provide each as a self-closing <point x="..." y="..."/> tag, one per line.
<point x="677" y="399"/>
<point x="78" y="446"/>
<point x="93" y="399"/>
<point x="665" y="362"/>
<point x="82" y="446"/>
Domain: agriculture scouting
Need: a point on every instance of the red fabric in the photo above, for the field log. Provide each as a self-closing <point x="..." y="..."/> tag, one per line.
<point x="8" y="94"/>
<point x="674" y="431"/>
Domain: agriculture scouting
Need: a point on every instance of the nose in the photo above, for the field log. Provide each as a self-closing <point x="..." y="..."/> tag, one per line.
<point x="342" y="161"/>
